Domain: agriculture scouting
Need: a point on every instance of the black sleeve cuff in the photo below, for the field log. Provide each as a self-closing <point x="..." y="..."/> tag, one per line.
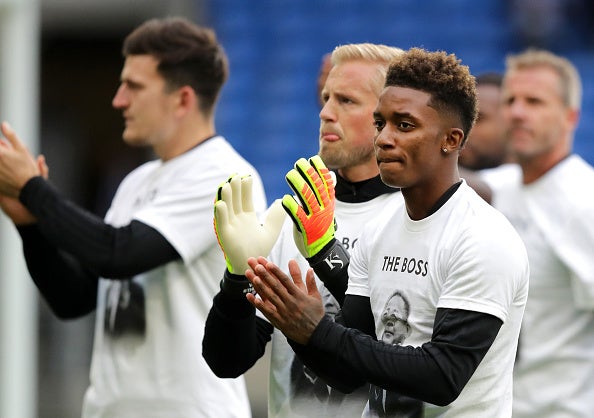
<point x="33" y="192"/>
<point x="331" y="266"/>
<point x="236" y="286"/>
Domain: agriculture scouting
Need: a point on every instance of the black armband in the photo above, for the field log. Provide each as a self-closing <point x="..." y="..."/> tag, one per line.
<point x="236" y="285"/>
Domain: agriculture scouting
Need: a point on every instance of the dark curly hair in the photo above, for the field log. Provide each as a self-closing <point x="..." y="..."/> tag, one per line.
<point x="449" y="83"/>
<point x="188" y="55"/>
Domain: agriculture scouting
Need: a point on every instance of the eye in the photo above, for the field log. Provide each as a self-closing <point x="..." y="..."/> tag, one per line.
<point x="405" y="126"/>
<point x="379" y="124"/>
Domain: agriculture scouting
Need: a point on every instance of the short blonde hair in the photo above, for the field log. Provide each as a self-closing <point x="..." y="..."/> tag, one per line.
<point x="570" y="84"/>
<point x="374" y="53"/>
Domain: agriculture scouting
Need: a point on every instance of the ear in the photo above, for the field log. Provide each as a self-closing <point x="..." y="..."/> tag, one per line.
<point x="452" y="141"/>
<point x="573" y="117"/>
<point x="187" y="99"/>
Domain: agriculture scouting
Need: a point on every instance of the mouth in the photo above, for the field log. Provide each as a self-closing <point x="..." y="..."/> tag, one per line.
<point x="329" y="136"/>
<point x="385" y="160"/>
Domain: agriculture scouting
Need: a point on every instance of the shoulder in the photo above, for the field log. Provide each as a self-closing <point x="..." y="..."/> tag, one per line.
<point x="501" y="176"/>
<point x="140" y="173"/>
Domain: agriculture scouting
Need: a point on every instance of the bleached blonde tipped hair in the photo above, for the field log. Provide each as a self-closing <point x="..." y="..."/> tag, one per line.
<point x="570" y="84"/>
<point x="374" y="53"/>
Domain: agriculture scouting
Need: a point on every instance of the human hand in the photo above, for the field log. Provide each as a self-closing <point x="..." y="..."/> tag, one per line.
<point x="313" y="215"/>
<point x="292" y="306"/>
<point x="239" y="231"/>
<point x="17" y="165"/>
<point x="14" y="209"/>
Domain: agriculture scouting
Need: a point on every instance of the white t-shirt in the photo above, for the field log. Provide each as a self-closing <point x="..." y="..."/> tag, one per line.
<point x="147" y="360"/>
<point x="286" y="397"/>
<point x="554" y="374"/>
<point x="501" y="174"/>
<point x="464" y="256"/>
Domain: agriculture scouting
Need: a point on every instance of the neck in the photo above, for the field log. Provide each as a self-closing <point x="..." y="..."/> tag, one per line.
<point x="186" y="137"/>
<point x="360" y="172"/>
<point x="536" y="167"/>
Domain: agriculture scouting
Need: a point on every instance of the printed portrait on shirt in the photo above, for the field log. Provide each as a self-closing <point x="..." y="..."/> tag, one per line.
<point x="395" y="330"/>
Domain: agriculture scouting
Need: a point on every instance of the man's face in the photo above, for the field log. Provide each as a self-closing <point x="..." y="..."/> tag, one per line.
<point x="535" y="117"/>
<point x="395" y="321"/>
<point x="346" y="121"/>
<point x="409" y="138"/>
<point x="147" y="107"/>
<point x="486" y="146"/>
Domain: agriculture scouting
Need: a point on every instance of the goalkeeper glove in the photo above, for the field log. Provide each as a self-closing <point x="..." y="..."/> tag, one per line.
<point x="239" y="231"/>
<point x="313" y="216"/>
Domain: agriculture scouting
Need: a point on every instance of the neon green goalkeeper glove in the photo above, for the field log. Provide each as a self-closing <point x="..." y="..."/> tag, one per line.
<point x="314" y="223"/>
<point x="239" y="231"/>
<point x="313" y="215"/>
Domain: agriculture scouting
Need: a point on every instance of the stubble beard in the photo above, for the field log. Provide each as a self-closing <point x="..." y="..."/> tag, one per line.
<point x="337" y="156"/>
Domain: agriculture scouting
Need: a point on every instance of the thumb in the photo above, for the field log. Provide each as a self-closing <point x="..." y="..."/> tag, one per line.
<point x="275" y="219"/>
<point x="43" y="168"/>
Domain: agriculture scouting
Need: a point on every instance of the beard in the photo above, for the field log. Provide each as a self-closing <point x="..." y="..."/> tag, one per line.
<point x="338" y="156"/>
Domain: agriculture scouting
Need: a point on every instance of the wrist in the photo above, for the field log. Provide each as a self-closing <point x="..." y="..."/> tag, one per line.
<point x="236" y="286"/>
<point x="330" y="261"/>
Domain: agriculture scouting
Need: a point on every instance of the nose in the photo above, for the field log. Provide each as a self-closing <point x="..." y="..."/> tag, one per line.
<point x="383" y="139"/>
<point x="515" y="109"/>
<point x="327" y="112"/>
<point x="120" y="99"/>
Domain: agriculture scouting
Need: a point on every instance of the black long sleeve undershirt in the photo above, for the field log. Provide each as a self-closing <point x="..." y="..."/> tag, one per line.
<point x="68" y="249"/>
<point x="436" y="372"/>
<point x="68" y="288"/>
<point x="234" y="337"/>
<point x="116" y="253"/>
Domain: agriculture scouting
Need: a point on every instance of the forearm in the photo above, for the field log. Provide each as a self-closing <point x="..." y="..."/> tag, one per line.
<point x="110" y="252"/>
<point x="356" y="314"/>
<point x="69" y="289"/>
<point x="234" y="337"/>
<point x="435" y="372"/>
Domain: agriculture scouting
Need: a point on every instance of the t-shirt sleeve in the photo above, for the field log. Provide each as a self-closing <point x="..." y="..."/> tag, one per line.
<point x="358" y="271"/>
<point x="484" y="275"/>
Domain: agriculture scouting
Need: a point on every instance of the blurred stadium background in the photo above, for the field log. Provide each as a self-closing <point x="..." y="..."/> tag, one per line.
<point x="69" y="55"/>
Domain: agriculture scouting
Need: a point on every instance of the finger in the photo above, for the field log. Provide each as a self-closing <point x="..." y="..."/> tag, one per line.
<point x="246" y="194"/>
<point x="269" y="287"/>
<point x="221" y="216"/>
<point x="295" y="211"/>
<point x="282" y="277"/>
<point x="312" y="286"/>
<point x="295" y="273"/>
<point x="235" y="190"/>
<point x="325" y="176"/>
<point x="304" y="168"/>
<point x="219" y="195"/>
<point x="300" y="188"/>
<point x="43" y="168"/>
<point x="225" y="195"/>
<point x="11" y="136"/>
<point x="267" y="309"/>
<point x="254" y="261"/>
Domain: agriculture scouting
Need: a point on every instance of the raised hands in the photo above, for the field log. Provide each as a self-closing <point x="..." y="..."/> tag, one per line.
<point x="11" y="153"/>
<point x="293" y="306"/>
<point x="312" y="210"/>
<point x="17" y="165"/>
<point x="238" y="229"/>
